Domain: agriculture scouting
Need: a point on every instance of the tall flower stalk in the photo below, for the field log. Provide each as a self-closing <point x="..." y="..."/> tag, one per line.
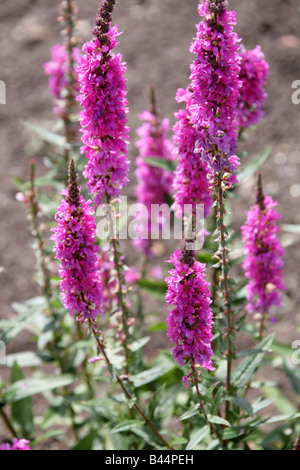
<point x="153" y="184"/>
<point x="63" y="79"/>
<point x="75" y="247"/>
<point x="191" y="185"/>
<point x="253" y="74"/>
<point x="263" y="263"/>
<point x="103" y="118"/>
<point x="215" y="83"/>
<point x="104" y="129"/>
<point x="189" y="323"/>
<point x="68" y="18"/>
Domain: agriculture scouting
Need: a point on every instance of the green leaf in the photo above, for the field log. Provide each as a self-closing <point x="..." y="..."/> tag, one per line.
<point x="136" y="345"/>
<point x="216" y="400"/>
<point x="152" y="374"/>
<point x="293" y="374"/>
<point x="177" y="441"/>
<point x="28" y="387"/>
<point x="162" y="163"/>
<point x="243" y="403"/>
<point x="191" y="412"/>
<point x="247" y="368"/>
<point x="205" y="257"/>
<point x="20" y="184"/>
<point x="259" y="404"/>
<point x="280" y="400"/>
<point x="248" y="352"/>
<point x="285" y="417"/>
<point x="47" y="136"/>
<point x="21" y="411"/>
<point x="9" y="329"/>
<point x="86" y="443"/>
<point x="48" y="435"/>
<point x="157" y="288"/>
<point x="27" y="359"/>
<point x="218" y="420"/>
<point x="197" y="436"/>
<point x="104" y="407"/>
<point x="254" y="165"/>
<point x="165" y="406"/>
<point x="291" y="228"/>
<point x="158" y="327"/>
<point x="147" y="436"/>
<point x="129" y="425"/>
<point x="230" y="434"/>
<point x="281" y="348"/>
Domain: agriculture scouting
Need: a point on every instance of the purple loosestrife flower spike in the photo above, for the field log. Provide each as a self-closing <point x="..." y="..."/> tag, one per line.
<point x="154" y="184"/>
<point x="189" y="323"/>
<point x="263" y="264"/>
<point x="103" y="118"/>
<point x="254" y="70"/>
<point x="57" y="70"/>
<point x="191" y="183"/>
<point x="17" y="444"/>
<point x="74" y="239"/>
<point x="215" y="83"/>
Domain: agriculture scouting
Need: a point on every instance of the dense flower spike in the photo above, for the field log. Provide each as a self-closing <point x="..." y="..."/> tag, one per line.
<point x="215" y="83"/>
<point x="74" y="239"/>
<point x="154" y="184"/>
<point x="103" y="118"/>
<point x="263" y="264"/>
<point x="191" y="183"/>
<point x="57" y="69"/>
<point x="254" y="70"/>
<point x="189" y="324"/>
<point x="18" y="444"/>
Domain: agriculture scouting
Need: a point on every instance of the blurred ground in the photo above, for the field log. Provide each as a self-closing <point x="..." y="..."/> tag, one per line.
<point x="155" y="43"/>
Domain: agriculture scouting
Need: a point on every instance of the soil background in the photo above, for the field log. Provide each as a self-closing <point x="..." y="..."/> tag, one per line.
<point x="155" y="46"/>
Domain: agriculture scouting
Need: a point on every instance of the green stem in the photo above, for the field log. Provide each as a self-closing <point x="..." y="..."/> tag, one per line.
<point x="69" y="20"/>
<point x="8" y="423"/>
<point x="101" y="349"/>
<point x="223" y="251"/>
<point x="36" y="232"/>
<point x="120" y="278"/>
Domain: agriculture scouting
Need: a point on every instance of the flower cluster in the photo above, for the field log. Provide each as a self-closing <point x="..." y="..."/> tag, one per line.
<point x="154" y="183"/>
<point x="103" y="118"/>
<point x="263" y="264"/>
<point x="74" y="239"/>
<point x="57" y="69"/>
<point x="191" y="183"/>
<point x="254" y="70"/>
<point x="18" y="444"/>
<point x="215" y="83"/>
<point x="189" y="323"/>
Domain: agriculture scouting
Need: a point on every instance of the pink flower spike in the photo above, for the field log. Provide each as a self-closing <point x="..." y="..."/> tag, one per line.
<point x="105" y="106"/>
<point x="191" y="184"/>
<point x="254" y="70"/>
<point x="74" y="239"/>
<point x="153" y="183"/>
<point x="189" y="324"/>
<point x="215" y="86"/>
<point x="263" y="264"/>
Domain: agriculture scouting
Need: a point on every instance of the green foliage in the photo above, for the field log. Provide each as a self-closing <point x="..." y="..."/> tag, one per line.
<point x="136" y="399"/>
